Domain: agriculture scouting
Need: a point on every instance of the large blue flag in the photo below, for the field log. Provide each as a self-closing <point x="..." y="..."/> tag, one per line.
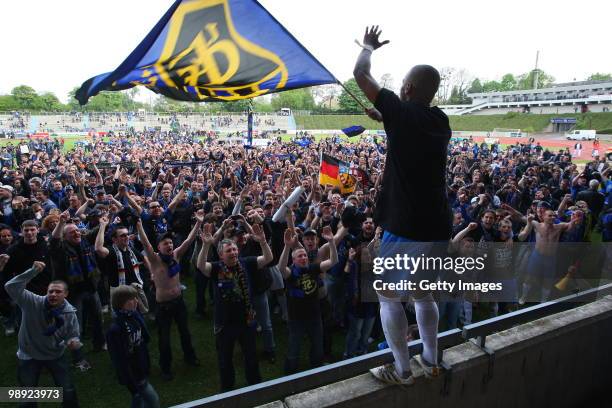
<point x="214" y="50"/>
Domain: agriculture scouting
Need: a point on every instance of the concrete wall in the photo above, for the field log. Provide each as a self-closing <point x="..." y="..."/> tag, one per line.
<point x="559" y="361"/>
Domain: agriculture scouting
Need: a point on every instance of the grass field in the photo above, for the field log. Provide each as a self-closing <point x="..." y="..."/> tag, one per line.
<point x="528" y="122"/>
<point x="98" y="387"/>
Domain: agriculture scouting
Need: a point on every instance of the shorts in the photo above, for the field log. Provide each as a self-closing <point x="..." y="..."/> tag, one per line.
<point x="404" y="252"/>
<point x="541" y="266"/>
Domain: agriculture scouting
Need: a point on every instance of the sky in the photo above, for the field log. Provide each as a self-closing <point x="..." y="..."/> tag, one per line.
<point x="56" y="45"/>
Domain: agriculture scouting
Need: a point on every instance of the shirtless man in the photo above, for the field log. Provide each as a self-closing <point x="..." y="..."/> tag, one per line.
<point x="165" y="270"/>
<point x="542" y="262"/>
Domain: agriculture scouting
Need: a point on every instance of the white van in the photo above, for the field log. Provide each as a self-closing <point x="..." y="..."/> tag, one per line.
<point x="581" y="135"/>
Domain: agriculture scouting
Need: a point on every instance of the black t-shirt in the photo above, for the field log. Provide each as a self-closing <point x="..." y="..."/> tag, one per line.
<point x="230" y="304"/>
<point x="110" y="267"/>
<point x="22" y="256"/>
<point x="413" y="202"/>
<point x="302" y="293"/>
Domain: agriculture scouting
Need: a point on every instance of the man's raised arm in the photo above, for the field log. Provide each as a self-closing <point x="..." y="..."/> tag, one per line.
<point x="207" y="240"/>
<point x="361" y="72"/>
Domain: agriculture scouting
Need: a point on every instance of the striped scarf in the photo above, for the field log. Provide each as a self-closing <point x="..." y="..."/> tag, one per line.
<point x="121" y="265"/>
<point x="239" y="276"/>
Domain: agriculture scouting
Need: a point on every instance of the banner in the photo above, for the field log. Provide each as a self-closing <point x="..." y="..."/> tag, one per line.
<point x="337" y="173"/>
<point x="214" y="50"/>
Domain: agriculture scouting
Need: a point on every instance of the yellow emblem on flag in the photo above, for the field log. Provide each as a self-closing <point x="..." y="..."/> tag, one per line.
<point x="204" y="51"/>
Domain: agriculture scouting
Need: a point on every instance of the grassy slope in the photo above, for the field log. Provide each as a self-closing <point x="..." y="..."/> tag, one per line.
<point x="599" y="121"/>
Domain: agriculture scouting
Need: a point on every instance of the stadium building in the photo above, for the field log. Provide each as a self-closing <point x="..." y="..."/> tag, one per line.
<point x="570" y="97"/>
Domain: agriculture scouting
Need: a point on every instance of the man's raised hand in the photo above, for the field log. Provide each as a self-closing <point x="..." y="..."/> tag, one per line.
<point x="38" y="266"/>
<point x="327" y="234"/>
<point x="104" y="222"/>
<point x="290" y="238"/>
<point x="206" y="235"/>
<point x="258" y="234"/>
<point x="371" y="37"/>
<point x="65" y="216"/>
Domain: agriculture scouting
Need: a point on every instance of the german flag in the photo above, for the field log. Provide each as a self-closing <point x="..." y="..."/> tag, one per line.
<point x="337" y="173"/>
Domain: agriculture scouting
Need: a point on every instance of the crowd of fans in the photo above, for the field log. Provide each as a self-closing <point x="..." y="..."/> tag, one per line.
<point x="116" y="226"/>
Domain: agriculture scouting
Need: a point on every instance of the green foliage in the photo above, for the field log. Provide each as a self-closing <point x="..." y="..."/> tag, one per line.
<point x="475" y="87"/>
<point x="526" y="80"/>
<point x="8" y="103"/>
<point x="491" y="86"/>
<point x="50" y="103"/>
<point x="599" y="77"/>
<point x="297" y="99"/>
<point x="235" y="106"/>
<point x="109" y="101"/>
<point x="511" y="83"/>
<point x="458" y="97"/>
<point x="508" y="82"/>
<point x="346" y="102"/>
<point x="26" y="97"/>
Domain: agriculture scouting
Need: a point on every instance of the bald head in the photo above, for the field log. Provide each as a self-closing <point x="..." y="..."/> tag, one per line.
<point x="420" y="84"/>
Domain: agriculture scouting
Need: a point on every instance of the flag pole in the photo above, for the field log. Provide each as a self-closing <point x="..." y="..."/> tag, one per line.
<point x="352" y="96"/>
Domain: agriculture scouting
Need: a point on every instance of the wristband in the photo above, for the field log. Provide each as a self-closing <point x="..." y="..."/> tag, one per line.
<point x="364" y="46"/>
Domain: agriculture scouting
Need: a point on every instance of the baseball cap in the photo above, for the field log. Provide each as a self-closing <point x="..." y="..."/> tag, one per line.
<point x="544" y="204"/>
<point x="7" y="187"/>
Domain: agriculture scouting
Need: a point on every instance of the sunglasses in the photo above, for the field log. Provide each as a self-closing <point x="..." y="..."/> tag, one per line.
<point x="153" y="206"/>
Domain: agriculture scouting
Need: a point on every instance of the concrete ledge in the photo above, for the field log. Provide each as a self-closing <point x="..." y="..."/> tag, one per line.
<point x="559" y="360"/>
<point x="275" y="404"/>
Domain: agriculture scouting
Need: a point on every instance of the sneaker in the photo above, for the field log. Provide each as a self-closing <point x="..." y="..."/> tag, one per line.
<point x="522" y="300"/>
<point x="430" y="370"/>
<point x="9" y="331"/>
<point x="389" y="375"/>
<point x="105" y="309"/>
<point x="82" y="366"/>
<point x="183" y="287"/>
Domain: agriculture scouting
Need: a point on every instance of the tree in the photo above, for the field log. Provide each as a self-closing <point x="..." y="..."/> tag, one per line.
<point x="508" y="83"/>
<point x="475" y="86"/>
<point x="241" y="105"/>
<point x="8" y="103"/>
<point x="50" y="103"/>
<point x="491" y="86"/>
<point x="446" y="74"/>
<point x="346" y="102"/>
<point x="599" y="77"/>
<point x="109" y="101"/>
<point x="26" y="97"/>
<point x="296" y="99"/>
<point x="526" y="80"/>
